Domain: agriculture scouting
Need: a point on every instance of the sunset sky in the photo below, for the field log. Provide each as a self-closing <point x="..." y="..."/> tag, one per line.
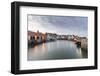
<point x="73" y="25"/>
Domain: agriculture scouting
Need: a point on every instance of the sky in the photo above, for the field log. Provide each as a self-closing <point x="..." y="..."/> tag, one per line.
<point x="73" y="25"/>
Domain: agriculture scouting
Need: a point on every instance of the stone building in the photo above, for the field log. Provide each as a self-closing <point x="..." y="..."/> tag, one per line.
<point x="36" y="37"/>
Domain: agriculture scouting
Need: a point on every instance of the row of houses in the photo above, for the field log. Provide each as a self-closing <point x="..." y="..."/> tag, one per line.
<point x="38" y="37"/>
<point x="68" y="37"/>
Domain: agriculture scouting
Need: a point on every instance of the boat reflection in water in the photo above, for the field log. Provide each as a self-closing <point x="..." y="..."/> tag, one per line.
<point x="60" y="49"/>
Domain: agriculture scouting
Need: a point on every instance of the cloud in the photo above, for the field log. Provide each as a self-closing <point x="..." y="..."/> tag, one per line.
<point x="58" y="24"/>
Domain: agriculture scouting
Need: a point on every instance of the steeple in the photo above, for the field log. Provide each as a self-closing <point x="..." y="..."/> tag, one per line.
<point x="37" y="31"/>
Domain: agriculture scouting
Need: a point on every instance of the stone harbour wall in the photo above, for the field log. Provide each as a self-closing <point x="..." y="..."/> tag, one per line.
<point x="84" y="44"/>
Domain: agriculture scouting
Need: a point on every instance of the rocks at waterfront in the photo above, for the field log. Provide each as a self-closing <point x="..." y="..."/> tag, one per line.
<point x="84" y="43"/>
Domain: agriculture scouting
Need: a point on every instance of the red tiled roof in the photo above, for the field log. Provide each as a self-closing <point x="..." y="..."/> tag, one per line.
<point x="32" y="33"/>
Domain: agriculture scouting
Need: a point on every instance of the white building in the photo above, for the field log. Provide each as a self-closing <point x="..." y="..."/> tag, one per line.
<point x="51" y="36"/>
<point x="70" y="37"/>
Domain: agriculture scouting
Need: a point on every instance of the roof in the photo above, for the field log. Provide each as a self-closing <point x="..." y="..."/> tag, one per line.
<point x="32" y="33"/>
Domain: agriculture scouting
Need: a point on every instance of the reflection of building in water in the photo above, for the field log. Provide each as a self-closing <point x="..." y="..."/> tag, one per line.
<point x="43" y="46"/>
<point x="62" y="37"/>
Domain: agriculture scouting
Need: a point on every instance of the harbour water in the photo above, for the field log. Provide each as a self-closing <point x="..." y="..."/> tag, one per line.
<point x="60" y="49"/>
